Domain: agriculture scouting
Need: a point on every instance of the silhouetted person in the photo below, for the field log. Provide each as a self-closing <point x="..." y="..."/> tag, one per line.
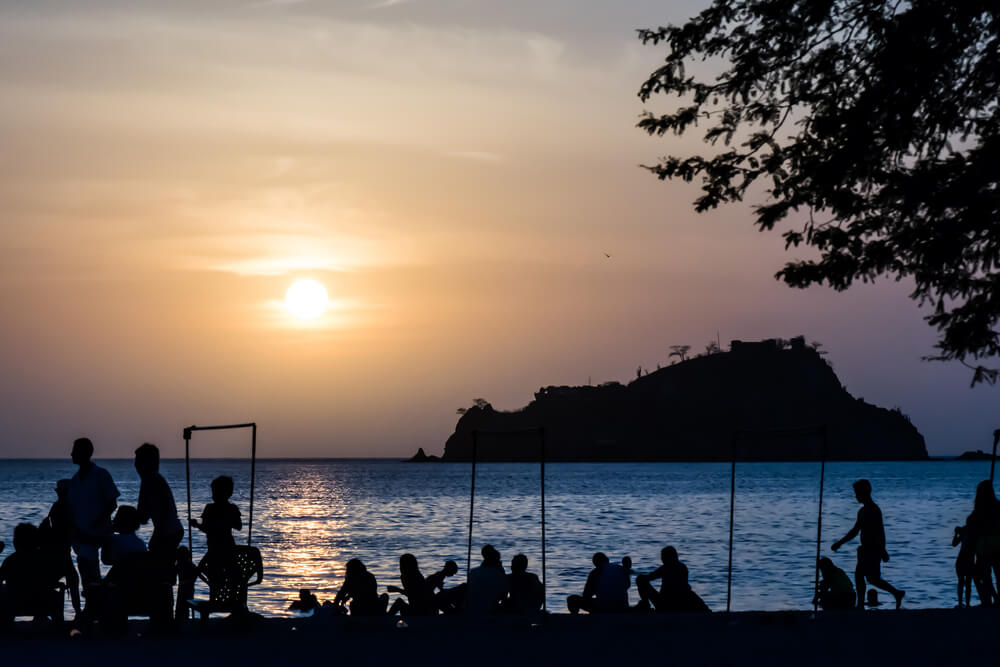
<point x="419" y="595"/>
<point x="982" y="529"/>
<point x="361" y="590"/>
<point x="487" y="585"/>
<point x="93" y="497"/>
<point x="218" y="522"/>
<point x="606" y="590"/>
<point x="447" y="600"/>
<point x="124" y="542"/>
<point x="56" y="537"/>
<point x="965" y="565"/>
<point x="872" y="551"/>
<point x="306" y="603"/>
<point x="675" y="593"/>
<point x="187" y="574"/>
<point x="835" y="588"/>
<point x="21" y="576"/>
<point x="156" y="504"/>
<point x="525" y="593"/>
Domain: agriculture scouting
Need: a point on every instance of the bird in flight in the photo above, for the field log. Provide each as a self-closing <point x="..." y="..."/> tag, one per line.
<point x="607" y="255"/>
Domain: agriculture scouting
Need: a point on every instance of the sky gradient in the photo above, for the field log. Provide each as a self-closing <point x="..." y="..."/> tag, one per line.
<point x="452" y="172"/>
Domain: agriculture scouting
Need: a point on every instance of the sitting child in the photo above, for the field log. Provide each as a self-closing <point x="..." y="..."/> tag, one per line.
<point x="20" y="577"/>
<point x="835" y="588"/>
<point x="124" y="541"/>
<point x="965" y="564"/>
<point x="306" y="603"/>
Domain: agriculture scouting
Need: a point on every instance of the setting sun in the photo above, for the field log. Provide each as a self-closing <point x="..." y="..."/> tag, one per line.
<point x="306" y="299"/>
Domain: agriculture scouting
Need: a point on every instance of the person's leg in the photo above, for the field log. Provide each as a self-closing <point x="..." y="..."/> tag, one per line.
<point x="649" y="594"/>
<point x="577" y="603"/>
<point x="859" y="583"/>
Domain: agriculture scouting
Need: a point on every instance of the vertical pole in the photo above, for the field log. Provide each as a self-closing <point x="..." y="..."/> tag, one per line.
<point x="993" y="459"/>
<point x="472" y="502"/>
<point x="819" y="519"/>
<point x="253" y="476"/>
<point x="541" y="435"/>
<point x="187" y="470"/>
<point x="732" y="507"/>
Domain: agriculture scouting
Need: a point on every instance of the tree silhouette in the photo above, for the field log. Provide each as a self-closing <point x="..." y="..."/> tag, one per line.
<point x="480" y="403"/>
<point x="712" y="347"/>
<point x="874" y="128"/>
<point x="679" y="351"/>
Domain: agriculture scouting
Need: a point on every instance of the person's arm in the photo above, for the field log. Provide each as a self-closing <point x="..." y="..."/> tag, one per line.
<point x="655" y="574"/>
<point x="590" y="588"/>
<point x="142" y="504"/>
<point x="851" y="534"/>
<point x="237" y="518"/>
<point x="111" y="494"/>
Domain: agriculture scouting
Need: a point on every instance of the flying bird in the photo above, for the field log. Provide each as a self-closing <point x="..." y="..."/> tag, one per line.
<point x="607" y="255"/>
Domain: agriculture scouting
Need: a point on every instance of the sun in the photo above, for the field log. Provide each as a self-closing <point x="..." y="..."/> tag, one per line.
<point x="306" y="299"/>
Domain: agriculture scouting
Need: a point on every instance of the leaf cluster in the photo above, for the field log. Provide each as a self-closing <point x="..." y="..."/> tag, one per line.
<point x="872" y="125"/>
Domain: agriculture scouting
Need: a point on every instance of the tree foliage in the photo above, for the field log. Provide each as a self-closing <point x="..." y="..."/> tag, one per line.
<point x="679" y="351"/>
<point x="872" y="126"/>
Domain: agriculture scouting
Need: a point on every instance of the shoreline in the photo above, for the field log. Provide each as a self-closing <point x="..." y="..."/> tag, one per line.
<point x="932" y="636"/>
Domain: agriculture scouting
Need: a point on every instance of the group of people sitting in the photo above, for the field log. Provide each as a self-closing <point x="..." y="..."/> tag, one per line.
<point x="86" y="519"/>
<point x="489" y="590"/>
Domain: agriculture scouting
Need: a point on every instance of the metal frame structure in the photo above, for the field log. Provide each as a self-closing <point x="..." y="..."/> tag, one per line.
<point x="253" y="467"/>
<point x="472" y="493"/>
<point x="818" y="430"/>
<point x="993" y="459"/>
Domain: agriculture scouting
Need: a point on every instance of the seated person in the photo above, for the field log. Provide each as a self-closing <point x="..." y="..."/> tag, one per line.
<point x="361" y="590"/>
<point x="419" y="595"/>
<point x="835" y="588"/>
<point x="21" y="578"/>
<point x="487" y="585"/>
<point x="606" y="590"/>
<point x="675" y="593"/>
<point x="525" y="592"/>
<point x="448" y="600"/>
<point x="124" y="542"/>
<point x="306" y="603"/>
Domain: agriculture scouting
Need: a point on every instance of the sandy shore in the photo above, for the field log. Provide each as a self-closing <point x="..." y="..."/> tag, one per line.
<point x="931" y="637"/>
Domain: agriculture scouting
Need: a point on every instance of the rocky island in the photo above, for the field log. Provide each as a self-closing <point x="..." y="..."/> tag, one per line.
<point x="694" y="410"/>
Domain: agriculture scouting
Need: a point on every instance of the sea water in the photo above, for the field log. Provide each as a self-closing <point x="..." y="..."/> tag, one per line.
<point x="311" y="516"/>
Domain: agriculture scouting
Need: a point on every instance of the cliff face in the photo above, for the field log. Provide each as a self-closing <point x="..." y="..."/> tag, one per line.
<point x="692" y="410"/>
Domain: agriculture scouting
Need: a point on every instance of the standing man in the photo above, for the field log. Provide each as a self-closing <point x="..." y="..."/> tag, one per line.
<point x="156" y="503"/>
<point x="92" y="499"/>
<point x="872" y="551"/>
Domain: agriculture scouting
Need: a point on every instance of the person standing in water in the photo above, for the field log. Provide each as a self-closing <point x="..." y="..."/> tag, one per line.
<point x="872" y="552"/>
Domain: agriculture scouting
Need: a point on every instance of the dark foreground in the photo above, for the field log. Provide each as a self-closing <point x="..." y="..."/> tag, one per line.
<point x="925" y="637"/>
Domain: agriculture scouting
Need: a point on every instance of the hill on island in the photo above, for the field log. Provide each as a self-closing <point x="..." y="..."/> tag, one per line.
<point x="692" y="411"/>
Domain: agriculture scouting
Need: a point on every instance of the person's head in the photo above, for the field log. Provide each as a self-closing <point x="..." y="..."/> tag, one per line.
<point x="126" y="520"/>
<point x="490" y="554"/>
<point x="519" y="563"/>
<point x="627" y="562"/>
<point x="147" y="459"/>
<point x="599" y="559"/>
<point x="222" y="488"/>
<point x="354" y="568"/>
<point x="450" y="568"/>
<point x="408" y="564"/>
<point x="863" y="490"/>
<point x="83" y="450"/>
<point x="62" y="489"/>
<point x="305" y="594"/>
<point x="985" y="498"/>
<point x="668" y="555"/>
<point x="825" y="566"/>
<point x="25" y="537"/>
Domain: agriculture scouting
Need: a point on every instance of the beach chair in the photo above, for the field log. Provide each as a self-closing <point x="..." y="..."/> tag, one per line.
<point x="227" y="586"/>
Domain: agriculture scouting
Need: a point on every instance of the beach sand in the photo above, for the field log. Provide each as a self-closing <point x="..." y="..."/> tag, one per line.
<point x="923" y="637"/>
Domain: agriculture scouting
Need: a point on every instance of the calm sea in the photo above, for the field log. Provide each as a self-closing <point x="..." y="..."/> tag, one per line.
<point x="311" y="516"/>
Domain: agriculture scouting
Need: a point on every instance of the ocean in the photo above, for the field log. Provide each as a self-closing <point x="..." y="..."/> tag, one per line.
<point x="311" y="516"/>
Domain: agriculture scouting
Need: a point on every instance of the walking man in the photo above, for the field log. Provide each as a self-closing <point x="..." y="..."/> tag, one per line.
<point x="872" y="552"/>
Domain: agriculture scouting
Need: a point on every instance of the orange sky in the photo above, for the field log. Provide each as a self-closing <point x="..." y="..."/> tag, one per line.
<point x="452" y="172"/>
